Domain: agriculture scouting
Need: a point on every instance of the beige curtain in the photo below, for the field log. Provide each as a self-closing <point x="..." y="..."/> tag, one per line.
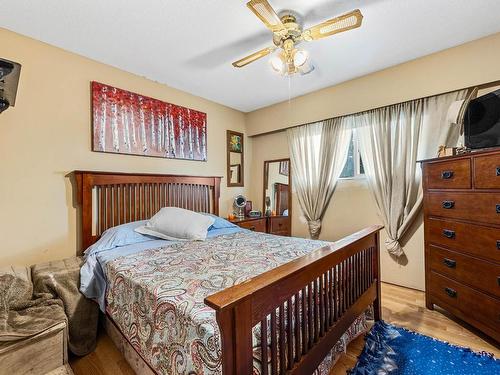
<point x="392" y="139"/>
<point x="318" y="153"/>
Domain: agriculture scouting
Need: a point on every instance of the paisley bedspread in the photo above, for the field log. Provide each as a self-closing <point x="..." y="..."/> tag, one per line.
<point x="156" y="297"/>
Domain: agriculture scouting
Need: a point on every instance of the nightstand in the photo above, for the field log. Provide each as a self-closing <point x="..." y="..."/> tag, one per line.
<point x="257" y="224"/>
<point x="44" y="353"/>
<point x="279" y="225"/>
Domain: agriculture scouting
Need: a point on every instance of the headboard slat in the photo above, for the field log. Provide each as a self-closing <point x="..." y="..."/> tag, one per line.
<point x="108" y="199"/>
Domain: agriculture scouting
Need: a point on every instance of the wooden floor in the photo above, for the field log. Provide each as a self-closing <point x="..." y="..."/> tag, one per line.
<point x="401" y="306"/>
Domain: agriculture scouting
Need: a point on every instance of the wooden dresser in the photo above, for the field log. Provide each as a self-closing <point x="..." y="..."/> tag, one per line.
<point x="462" y="237"/>
<point x="278" y="225"/>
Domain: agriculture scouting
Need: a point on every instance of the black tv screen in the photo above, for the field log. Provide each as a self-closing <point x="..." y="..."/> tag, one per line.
<point x="482" y="121"/>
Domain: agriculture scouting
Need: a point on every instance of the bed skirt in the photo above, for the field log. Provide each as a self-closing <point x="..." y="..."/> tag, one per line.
<point x="141" y="367"/>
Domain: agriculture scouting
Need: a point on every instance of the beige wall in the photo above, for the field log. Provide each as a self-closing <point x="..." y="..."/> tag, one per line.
<point x="47" y="134"/>
<point x="352" y="206"/>
<point x="463" y="66"/>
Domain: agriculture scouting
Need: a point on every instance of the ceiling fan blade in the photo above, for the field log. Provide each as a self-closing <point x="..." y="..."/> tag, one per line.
<point x="336" y="25"/>
<point x="254" y="56"/>
<point x="266" y="14"/>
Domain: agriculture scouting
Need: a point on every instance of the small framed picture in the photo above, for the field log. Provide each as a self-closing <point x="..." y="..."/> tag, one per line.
<point x="284" y="168"/>
<point x="235" y="143"/>
<point x="248" y="207"/>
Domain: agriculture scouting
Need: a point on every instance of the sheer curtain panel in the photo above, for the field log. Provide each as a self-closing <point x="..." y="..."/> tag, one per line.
<point x="318" y="153"/>
<point x="392" y="139"/>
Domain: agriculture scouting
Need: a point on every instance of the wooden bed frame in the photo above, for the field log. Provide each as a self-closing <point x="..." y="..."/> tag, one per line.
<point x="339" y="281"/>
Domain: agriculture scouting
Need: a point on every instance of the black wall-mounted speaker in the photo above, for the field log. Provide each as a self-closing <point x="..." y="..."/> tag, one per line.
<point x="9" y="79"/>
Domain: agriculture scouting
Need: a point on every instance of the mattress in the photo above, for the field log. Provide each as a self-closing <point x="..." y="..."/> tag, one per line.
<point x="155" y="296"/>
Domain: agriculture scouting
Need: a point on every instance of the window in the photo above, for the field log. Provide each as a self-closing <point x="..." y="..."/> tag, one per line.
<point x="354" y="165"/>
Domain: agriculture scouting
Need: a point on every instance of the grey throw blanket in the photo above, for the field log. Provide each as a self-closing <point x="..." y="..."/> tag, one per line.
<point x="33" y="302"/>
<point x="21" y="313"/>
<point x="61" y="279"/>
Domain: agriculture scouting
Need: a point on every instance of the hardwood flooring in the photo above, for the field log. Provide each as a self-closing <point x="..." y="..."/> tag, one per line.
<point x="401" y="306"/>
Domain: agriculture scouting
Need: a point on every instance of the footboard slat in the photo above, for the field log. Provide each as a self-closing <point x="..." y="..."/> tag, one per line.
<point x="297" y="325"/>
<point x="263" y="343"/>
<point x="282" y="361"/>
<point x="274" y="344"/>
<point x="317" y="297"/>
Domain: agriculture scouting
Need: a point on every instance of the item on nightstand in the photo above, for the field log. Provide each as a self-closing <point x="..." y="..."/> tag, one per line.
<point x="255" y="213"/>
<point x="239" y="206"/>
<point x="268" y="206"/>
<point x="248" y="207"/>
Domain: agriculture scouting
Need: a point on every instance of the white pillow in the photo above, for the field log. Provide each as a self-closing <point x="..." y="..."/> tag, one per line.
<point x="172" y="223"/>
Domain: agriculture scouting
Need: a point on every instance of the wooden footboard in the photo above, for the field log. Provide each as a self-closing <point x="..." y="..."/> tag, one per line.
<point x="302" y="307"/>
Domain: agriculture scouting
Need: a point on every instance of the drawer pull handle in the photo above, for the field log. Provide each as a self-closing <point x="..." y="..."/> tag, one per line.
<point x="450" y="263"/>
<point x="498" y="244"/>
<point x="498" y="280"/>
<point x="451" y="292"/>
<point x="252" y="228"/>
<point x="498" y="171"/>
<point x="446" y="175"/>
<point x="448" y="205"/>
<point x="449" y="233"/>
<point x="498" y="208"/>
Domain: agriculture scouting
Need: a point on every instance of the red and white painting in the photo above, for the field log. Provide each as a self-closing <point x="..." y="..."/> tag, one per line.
<point x="129" y="123"/>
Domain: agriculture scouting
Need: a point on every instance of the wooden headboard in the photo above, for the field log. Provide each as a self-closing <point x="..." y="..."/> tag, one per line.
<point x="108" y="199"/>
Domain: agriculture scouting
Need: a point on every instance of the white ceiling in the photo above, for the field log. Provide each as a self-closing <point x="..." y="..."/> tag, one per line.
<point x="190" y="44"/>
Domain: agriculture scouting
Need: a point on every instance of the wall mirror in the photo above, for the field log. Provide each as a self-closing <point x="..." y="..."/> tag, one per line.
<point x="277" y="184"/>
<point x="235" y="149"/>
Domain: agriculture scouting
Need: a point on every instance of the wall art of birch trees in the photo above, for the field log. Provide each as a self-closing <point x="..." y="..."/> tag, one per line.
<point x="129" y="123"/>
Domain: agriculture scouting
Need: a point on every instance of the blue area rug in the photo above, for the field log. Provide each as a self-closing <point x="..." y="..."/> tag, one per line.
<point x="398" y="351"/>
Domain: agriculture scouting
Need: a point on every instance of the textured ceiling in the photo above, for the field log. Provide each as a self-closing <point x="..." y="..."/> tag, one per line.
<point x="190" y="44"/>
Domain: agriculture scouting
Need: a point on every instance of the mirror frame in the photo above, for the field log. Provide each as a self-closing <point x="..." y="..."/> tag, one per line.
<point x="266" y="179"/>
<point x="229" y="133"/>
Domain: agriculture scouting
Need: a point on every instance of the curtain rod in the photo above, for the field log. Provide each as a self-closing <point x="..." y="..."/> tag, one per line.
<point x="480" y="87"/>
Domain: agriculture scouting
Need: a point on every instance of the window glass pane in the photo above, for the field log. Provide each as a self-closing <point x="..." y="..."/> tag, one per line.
<point x="349" y="164"/>
<point x="361" y="166"/>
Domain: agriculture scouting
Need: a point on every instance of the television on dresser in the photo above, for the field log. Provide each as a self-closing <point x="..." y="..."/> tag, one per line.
<point x="482" y="121"/>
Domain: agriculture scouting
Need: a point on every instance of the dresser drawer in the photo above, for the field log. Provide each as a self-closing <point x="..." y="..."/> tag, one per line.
<point x="257" y="225"/>
<point x="470" y="302"/>
<point x="279" y="225"/>
<point x="451" y="174"/>
<point x="469" y="238"/>
<point x="487" y="172"/>
<point x="467" y="270"/>
<point x="481" y="207"/>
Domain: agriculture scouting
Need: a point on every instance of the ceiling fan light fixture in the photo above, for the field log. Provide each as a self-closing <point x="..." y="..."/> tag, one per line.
<point x="277" y="64"/>
<point x="288" y="33"/>
<point x="306" y="68"/>
<point x="300" y="57"/>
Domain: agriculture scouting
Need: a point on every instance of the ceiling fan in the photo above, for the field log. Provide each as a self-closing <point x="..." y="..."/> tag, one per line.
<point x="287" y="34"/>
